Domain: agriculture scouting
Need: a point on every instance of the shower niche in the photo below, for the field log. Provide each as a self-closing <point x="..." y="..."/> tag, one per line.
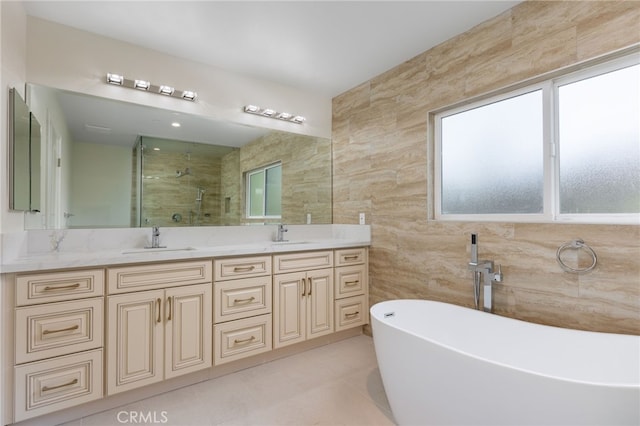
<point x="177" y="183"/>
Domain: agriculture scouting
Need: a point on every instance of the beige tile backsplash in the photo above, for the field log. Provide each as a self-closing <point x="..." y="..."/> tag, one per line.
<point x="382" y="165"/>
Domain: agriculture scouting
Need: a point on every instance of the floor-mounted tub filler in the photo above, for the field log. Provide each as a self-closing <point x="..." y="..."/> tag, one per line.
<point x="443" y="364"/>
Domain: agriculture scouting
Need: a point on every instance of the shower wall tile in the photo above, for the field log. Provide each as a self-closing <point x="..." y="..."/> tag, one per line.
<point x="383" y="160"/>
<point x="164" y="194"/>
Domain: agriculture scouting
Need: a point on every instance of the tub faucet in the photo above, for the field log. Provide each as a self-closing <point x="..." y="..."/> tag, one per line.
<point x="282" y="228"/>
<point x="483" y="269"/>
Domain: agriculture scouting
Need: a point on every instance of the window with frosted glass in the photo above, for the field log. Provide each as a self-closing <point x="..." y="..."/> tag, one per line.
<point x="492" y="158"/>
<point x="599" y="143"/>
<point x="264" y="192"/>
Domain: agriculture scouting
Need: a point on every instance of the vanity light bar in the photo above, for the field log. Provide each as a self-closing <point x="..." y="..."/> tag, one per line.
<point x="268" y="112"/>
<point x="146" y="86"/>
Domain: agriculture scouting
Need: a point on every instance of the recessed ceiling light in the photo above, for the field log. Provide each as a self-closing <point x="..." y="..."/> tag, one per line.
<point x="175" y="124"/>
<point x="268" y="112"/>
<point x="298" y="119"/>
<point x="251" y="108"/>
<point x="156" y="149"/>
<point x="284" y="116"/>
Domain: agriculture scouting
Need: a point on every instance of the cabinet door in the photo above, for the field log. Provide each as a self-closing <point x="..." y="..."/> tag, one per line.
<point x="319" y="299"/>
<point x="289" y="309"/>
<point x="135" y="347"/>
<point x="188" y="329"/>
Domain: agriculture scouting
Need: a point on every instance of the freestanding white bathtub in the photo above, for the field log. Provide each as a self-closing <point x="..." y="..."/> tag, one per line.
<point x="443" y="364"/>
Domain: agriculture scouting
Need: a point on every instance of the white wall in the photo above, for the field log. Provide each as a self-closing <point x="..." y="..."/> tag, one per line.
<point x="13" y="27"/>
<point x="44" y="105"/>
<point x="66" y="58"/>
<point x="100" y="185"/>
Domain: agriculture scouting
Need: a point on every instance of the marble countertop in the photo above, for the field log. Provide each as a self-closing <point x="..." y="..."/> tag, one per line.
<point x="132" y="251"/>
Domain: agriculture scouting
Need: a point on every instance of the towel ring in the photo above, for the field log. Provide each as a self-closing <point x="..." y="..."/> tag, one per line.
<point x="576" y="244"/>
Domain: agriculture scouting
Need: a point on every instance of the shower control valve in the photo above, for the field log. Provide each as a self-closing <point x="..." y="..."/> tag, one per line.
<point x="497" y="277"/>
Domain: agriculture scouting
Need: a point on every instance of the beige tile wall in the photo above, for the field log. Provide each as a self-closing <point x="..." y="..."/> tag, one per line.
<point x="306" y="173"/>
<point x="381" y="153"/>
<point x="165" y="195"/>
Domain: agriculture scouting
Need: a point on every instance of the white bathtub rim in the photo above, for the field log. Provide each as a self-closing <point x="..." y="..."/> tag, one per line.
<point x="623" y="385"/>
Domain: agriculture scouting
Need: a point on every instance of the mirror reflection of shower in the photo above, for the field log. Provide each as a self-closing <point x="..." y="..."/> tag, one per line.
<point x="173" y="178"/>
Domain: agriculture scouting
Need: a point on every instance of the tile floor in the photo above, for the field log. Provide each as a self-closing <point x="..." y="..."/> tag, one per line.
<point x="337" y="384"/>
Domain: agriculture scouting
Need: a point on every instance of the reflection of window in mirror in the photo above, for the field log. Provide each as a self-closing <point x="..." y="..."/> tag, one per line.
<point x="263" y="188"/>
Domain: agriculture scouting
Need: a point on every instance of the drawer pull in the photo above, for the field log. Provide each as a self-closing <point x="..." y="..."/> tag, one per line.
<point x="351" y="283"/>
<point x="158" y="302"/>
<point x="352" y="257"/>
<point x="304" y="287"/>
<point x="352" y="314"/>
<point x="61" y="287"/>
<point x="169" y="301"/>
<point x="244" y="341"/>
<point x="247" y="300"/>
<point x="73" y="327"/>
<point x="310" y="286"/>
<point x="50" y="388"/>
<point x="244" y="269"/>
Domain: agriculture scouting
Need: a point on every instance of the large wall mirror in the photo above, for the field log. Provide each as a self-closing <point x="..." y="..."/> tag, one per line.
<point x="24" y="156"/>
<point x="114" y="164"/>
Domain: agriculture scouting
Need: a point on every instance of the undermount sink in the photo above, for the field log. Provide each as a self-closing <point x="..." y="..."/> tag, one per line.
<point x="283" y="243"/>
<point x="156" y="250"/>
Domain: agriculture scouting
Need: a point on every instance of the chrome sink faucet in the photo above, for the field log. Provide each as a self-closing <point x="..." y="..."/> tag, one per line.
<point x="155" y="238"/>
<point x="282" y="228"/>
<point x="483" y="269"/>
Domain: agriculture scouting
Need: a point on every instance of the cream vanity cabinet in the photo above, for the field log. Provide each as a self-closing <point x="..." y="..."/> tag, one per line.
<point x="351" y="288"/>
<point x="242" y="307"/>
<point x="58" y="340"/>
<point x="159" y="320"/>
<point x="303" y="296"/>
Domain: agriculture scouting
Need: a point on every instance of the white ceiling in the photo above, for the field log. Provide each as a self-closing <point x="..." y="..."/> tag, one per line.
<point x="327" y="47"/>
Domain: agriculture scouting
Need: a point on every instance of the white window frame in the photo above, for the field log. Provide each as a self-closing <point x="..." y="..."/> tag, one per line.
<point x="264" y="185"/>
<point x="551" y="161"/>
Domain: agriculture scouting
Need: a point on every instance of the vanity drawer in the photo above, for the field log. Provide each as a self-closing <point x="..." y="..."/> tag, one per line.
<point x="351" y="312"/>
<point x="241" y="267"/>
<point x="351" y="256"/>
<point x="241" y="338"/>
<point x="350" y="281"/>
<point x="294" y="262"/>
<point x="55" y="329"/>
<point x="158" y="275"/>
<point x="57" y="383"/>
<point x="243" y="298"/>
<point x="48" y="287"/>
